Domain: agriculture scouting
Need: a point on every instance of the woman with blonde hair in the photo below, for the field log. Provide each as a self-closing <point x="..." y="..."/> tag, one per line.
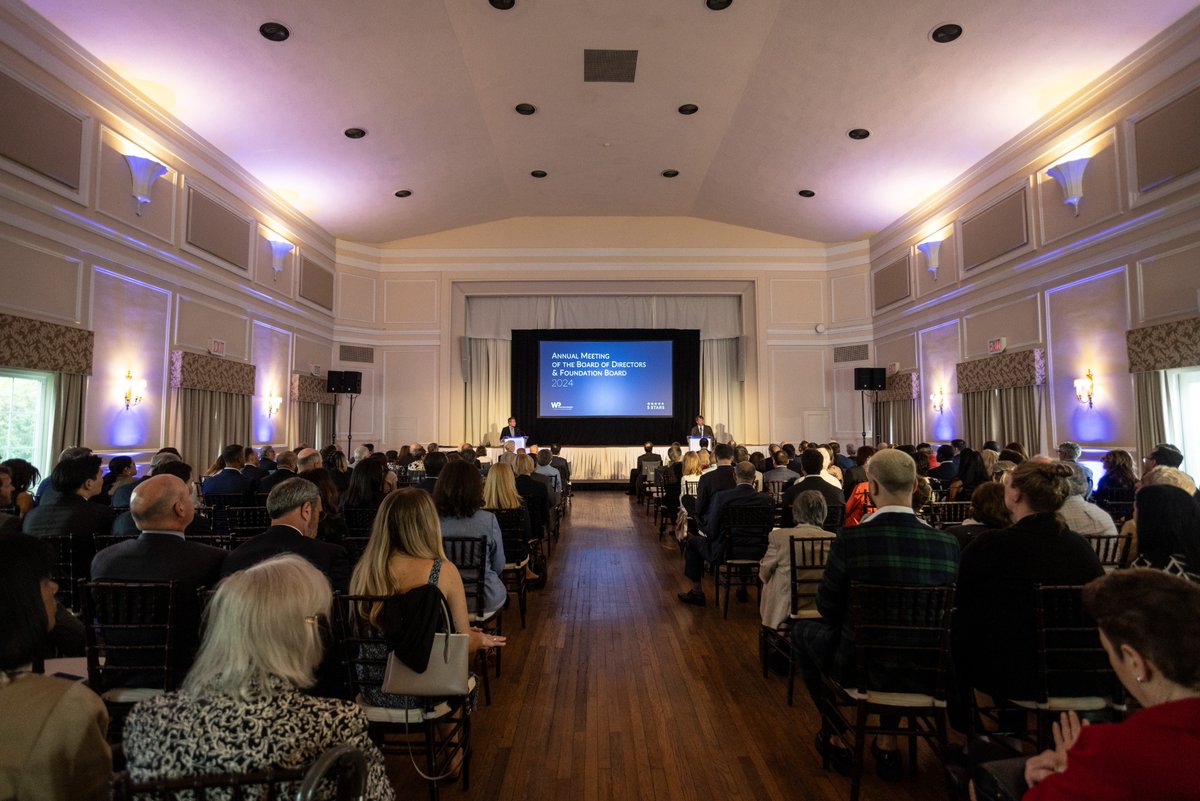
<point x="405" y="552"/>
<point x="691" y="472"/>
<point x="500" y="492"/>
<point x="242" y="706"/>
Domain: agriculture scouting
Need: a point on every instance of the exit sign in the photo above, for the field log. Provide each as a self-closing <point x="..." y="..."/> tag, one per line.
<point x="997" y="345"/>
<point x="216" y="347"/>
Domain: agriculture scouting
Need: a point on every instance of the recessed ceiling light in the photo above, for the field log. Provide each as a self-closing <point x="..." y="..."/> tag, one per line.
<point x="688" y="108"/>
<point x="718" y="5"/>
<point x="404" y="193"/>
<point x="503" y="5"/>
<point x="944" y="34"/>
<point x="538" y="173"/>
<point x="858" y="133"/>
<point x="355" y="133"/>
<point x="525" y="108"/>
<point x="669" y="173"/>
<point x="806" y="193"/>
<point x="274" y="31"/>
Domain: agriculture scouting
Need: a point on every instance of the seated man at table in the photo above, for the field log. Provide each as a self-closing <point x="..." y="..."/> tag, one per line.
<point x="710" y="546"/>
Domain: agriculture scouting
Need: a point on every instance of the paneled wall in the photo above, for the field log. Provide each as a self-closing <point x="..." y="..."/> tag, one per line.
<point x="194" y="263"/>
<point x="1018" y="263"/>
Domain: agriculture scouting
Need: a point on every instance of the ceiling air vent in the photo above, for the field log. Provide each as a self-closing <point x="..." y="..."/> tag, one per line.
<point x="611" y="66"/>
<point x="850" y="353"/>
<point x="356" y="353"/>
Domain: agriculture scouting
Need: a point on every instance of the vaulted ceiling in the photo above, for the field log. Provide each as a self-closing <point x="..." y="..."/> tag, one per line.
<point x="779" y="84"/>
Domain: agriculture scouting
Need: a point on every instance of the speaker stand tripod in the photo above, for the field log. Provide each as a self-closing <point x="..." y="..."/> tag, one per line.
<point x="350" y="426"/>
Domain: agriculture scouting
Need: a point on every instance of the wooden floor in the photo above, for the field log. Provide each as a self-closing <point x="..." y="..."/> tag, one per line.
<point x="618" y="691"/>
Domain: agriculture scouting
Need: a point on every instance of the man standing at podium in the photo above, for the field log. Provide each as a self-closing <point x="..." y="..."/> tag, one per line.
<point x="511" y="431"/>
<point x="701" y="430"/>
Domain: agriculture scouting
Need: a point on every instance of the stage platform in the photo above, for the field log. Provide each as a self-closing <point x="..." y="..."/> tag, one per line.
<point x="608" y="463"/>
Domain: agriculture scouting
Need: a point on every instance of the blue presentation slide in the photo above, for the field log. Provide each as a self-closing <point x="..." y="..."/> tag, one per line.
<point x="604" y="379"/>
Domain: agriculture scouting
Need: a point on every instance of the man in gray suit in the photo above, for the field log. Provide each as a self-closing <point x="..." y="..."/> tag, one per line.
<point x="700" y="429"/>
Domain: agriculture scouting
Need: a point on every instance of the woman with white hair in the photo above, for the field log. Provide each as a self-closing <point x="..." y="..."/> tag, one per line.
<point x="241" y="708"/>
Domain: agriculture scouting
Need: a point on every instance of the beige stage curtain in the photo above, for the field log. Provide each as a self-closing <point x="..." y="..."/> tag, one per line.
<point x="206" y="421"/>
<point x="896" y="422"/>
<point x="489" y="389"/>
<point x="325" y="432"/>
<point x="70" y="399"/>
<point x="721" y="393"/>
<point x="1013" y="414"/>
<point x="1150" y="408"/>
<point x="306" y="423"/>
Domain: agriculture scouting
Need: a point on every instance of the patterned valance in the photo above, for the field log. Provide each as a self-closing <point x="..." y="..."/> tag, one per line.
<point x="901" y="386"/>
<point x="1164" y="347"/>
<point x="37" y="345"/>
<point x="200" y="371"/>
<point x="1022" y="368"/>
<point x="310" y="389"/>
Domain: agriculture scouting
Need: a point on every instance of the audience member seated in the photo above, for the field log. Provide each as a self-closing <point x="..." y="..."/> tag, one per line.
<point x="242" y="706"/>
<point x="1119" y="480"/>
<point x="458" y="497"/>
<point x="46" y="493"/>
<point x="9" y="523"/>
<point x="1168" y="526"/>
<point x="995" y="622"/>
<point x="857" y="474"/>
<point x="405" y="552"/>
<point x="295" y="509"/>
<point x="636" y="475"/>
<point x="1079" y="515"/>
<point x="121" y="471"/>
<point x="229" y="480"/>
<point x="162" y="509"/>
<point x="69" y="510"/>
<point x="1164" y="455"/>
<point x="52" y="731"/>
<point x="285" y="468"/>
<point x="339" y="469"/>
<point x="811" y="462"/>
<point x="1069" y="452"/>
<point x="988" y="513"/>
<point x="720" y="478"/>
<point x="689" y="478"/>
<point x="970" y="475"/>
<point x="125" y="525"/>
<point x="24" y="476"/>
<point x="546" y="468"/>
<point x="829" y="471"/>
<point x="892" y="547"/>
<point x="310" y="459"/>
<point x="780" y="472"/>
<point x="266" y="458"/>
<point x="537" y="498"/>
<point x="368" y="485"/>
<point x="775" y="570"/>
<point x="332" y="527"/>
<point x="946" y="470"/>
<point x="1150" y="626"/>
<point x="121" y="495"/>
<point x="435" y="462"/>
<point x="710" y="545"/>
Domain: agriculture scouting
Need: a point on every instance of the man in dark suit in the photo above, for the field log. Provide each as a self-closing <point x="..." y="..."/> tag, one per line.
<point x="560" y="464"/>
<point x="511" y="430"/>
<point x="811" y="462"/>
<point x="70" y="510"/>
<point x="711" y="483"/>
<point x="230" y="480"/>
<point x="295" y="509"/>
<point x="45" y="492"/>
<point x="285" y="469"/>
<point x="126" y="525"/>
<point x="535" y="494"/>
<point x="266" y="458"/>
<point x="636" y="474"/>
<point x="251" y="469"/>
<point x="711" y="548"/>
<point x="891" y="546"/>
<point x="700" y="429"/>
<point x="947" y="469"/>
<point x="434" y="463"/>
<point x="162" y="509"/>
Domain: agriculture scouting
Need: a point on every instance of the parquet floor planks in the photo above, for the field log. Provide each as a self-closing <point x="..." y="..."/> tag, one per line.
<point x="618" y="692"/>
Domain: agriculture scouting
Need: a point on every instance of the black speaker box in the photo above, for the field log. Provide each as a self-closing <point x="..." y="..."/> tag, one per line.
<point x="347" y="382"/>
<point x="333" y="381"/>
<point x="870" y="378"/>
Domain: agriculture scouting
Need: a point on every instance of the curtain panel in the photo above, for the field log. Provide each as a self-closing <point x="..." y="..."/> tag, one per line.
<point x="896" y="422"/>
<point x="1012" y="414"/>
<point x="722" y="399"/>
<point x="70" y="400"/>
<point x="489" y="388"/>
<point x="306" y="423"/>
<point x="1150" y="409"/>
<point x="325" y="420"/>
<point x="206" y="421"/>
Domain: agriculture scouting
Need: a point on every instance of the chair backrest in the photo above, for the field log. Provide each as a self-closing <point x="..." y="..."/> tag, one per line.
<point x="359" y="646"/>
<point x="775" y="489"/>
<point x="359" y="520"/>
<point x="220" y="500"/>
<point x="552" y="495"/>
<point x="246" y="521"/>
<point x="1112" y="551"/>
<point x="103" y="541"/>
<point x="63" y="569"/>
<point x="809" y="555"/>
<point x="649" y="465"/>
<point x="949" y="513"/>
<point x="469" y="555"/>
<point x="214" y="540"/>
<point x="132" y="625"/>
<point x="901" y="637"/>
<point x="514" y="530"/>
<point x="1071" y="659"/>
<point x="745" y="529"/>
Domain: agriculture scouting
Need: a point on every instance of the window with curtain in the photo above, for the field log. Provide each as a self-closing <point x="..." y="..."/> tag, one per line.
<point x="26" y="417"/>
<point x="1012" y="414"/>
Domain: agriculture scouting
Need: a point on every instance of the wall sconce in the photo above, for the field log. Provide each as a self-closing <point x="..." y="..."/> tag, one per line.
<point x="133" y="390"/>
<point x="932" y="251"/>
<point x="939" y="401"/>
<point x="145" y="171"/>
<point x="274" y="403"/>
<point x="1084" y="387"/>
<point x="280" y="247"/>
<point x="1069" y="175"/>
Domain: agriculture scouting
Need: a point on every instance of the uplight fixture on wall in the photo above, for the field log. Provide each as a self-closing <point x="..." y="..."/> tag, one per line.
<point x="939" y="400"/>
<point x="145" y="171"/>
<point x="274" y="403"/>
<point x="932" y="250"/>
<point x="1069" y="175"/>
<point x="1084" y="387"/>
<point x="280" y="247"/>
<point x="133" y="390"/>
